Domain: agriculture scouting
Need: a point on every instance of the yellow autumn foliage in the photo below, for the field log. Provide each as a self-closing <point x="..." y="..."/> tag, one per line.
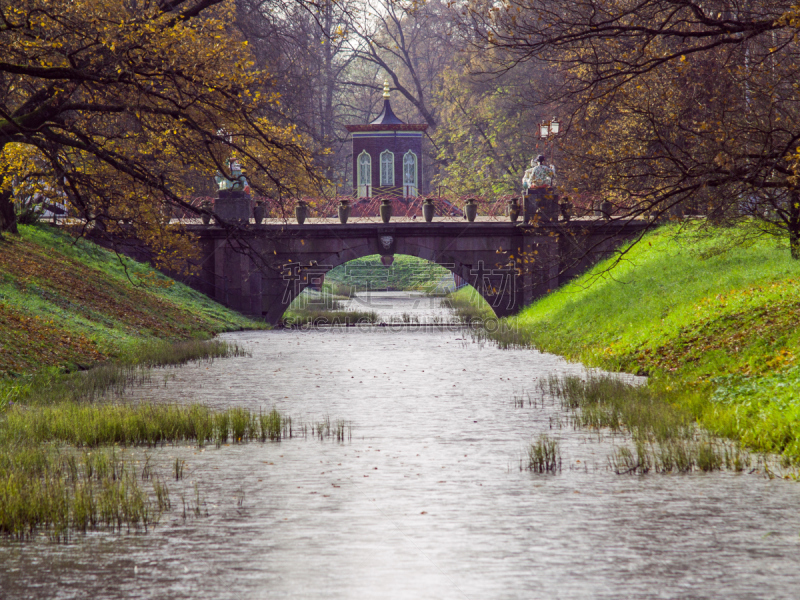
<point x="124" y="109"/>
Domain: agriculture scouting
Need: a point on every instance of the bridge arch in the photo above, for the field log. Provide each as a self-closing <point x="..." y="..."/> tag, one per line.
<point x="300" y="254"/>
<point x="374" y="275"/>
<point x="468" y="272"/>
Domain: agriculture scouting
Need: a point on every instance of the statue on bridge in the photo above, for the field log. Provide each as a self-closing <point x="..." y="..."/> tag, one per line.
<point x="237" y="180"/>
<point x="233" y="196"/>
<point x="539" y="174"/>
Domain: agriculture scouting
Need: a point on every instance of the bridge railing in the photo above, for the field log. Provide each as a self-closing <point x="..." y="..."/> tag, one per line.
<point x="448" y="207"/>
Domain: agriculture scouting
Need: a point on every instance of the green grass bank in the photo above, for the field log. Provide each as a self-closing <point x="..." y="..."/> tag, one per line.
<point x="712" y="316"/>
<point x="67" y="304"/>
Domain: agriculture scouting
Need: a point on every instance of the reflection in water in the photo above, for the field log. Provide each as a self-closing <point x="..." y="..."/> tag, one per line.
<point x="426" y="500"/>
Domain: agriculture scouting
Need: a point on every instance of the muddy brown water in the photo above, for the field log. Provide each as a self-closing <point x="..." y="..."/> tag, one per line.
<point x="426" y="499"/>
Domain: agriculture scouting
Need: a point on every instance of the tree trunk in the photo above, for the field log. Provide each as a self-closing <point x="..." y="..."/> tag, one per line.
<point x="329" y="81"/>
<point x="8" y="217"/>
<point x="793" y="225"/>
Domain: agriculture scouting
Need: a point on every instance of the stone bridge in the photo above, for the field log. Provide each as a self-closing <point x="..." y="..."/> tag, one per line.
<point x="262" y="268"/>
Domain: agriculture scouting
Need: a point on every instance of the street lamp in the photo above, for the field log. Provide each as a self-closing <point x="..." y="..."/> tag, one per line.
<point x="549" y="129"/>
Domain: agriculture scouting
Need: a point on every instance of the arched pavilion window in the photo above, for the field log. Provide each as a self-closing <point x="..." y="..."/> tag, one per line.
<point x="364" y="175"/>
<point x="387" y="168"/>
<point x="409" y="174"/>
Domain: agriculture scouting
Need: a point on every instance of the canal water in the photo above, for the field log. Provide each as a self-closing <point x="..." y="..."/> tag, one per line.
<point x="425" y="498"/>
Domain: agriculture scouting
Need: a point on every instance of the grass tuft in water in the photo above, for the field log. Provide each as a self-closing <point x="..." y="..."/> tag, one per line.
<point x="47" y="488"/>
<point x="161" y="354"/>
<point x="665" y="437"/>
<point x="408" y="318"/>
<point x="544" y="455"/>
<point x="179" y="466"/>
<point x="161" y="495"/>
<point x="315" y="318"/>
<point x="340" y="430"/>
<point x="112" y="380"/>
<point x="93" y="425"/>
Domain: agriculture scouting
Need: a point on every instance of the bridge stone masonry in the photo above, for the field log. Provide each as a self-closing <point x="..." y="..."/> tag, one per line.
<point x="262" y="268"/>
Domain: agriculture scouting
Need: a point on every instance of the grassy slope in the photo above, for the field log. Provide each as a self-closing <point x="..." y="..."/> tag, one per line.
<point x="716" y="321"/>
<point x="469" y="305"/>
<point x="64" y="303"/>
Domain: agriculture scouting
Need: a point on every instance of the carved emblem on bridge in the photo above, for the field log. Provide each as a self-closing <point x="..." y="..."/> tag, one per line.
<point x="386" y="244"/>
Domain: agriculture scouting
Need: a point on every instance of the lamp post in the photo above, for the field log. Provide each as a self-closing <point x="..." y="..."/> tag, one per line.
<point x="549" y="129"/>
<point x="547" y="203"/>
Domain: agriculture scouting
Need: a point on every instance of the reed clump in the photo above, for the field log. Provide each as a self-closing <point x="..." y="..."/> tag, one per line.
<point x="113" y="379"/>
<point x="104" y="424"/>
<point x="339" y="430"/>
<point x="315" y="318"/>
<point x="47" y="488"/>
<point x="408" y="318"/>
<point x="544" y="455"/>
<point x="161" y="354"/>
<point x="665" y="437"/>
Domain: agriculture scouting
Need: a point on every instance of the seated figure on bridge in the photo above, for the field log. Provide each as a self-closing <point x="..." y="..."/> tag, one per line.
<point x="539" y="174"/>
<point x="237" y="181"/>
